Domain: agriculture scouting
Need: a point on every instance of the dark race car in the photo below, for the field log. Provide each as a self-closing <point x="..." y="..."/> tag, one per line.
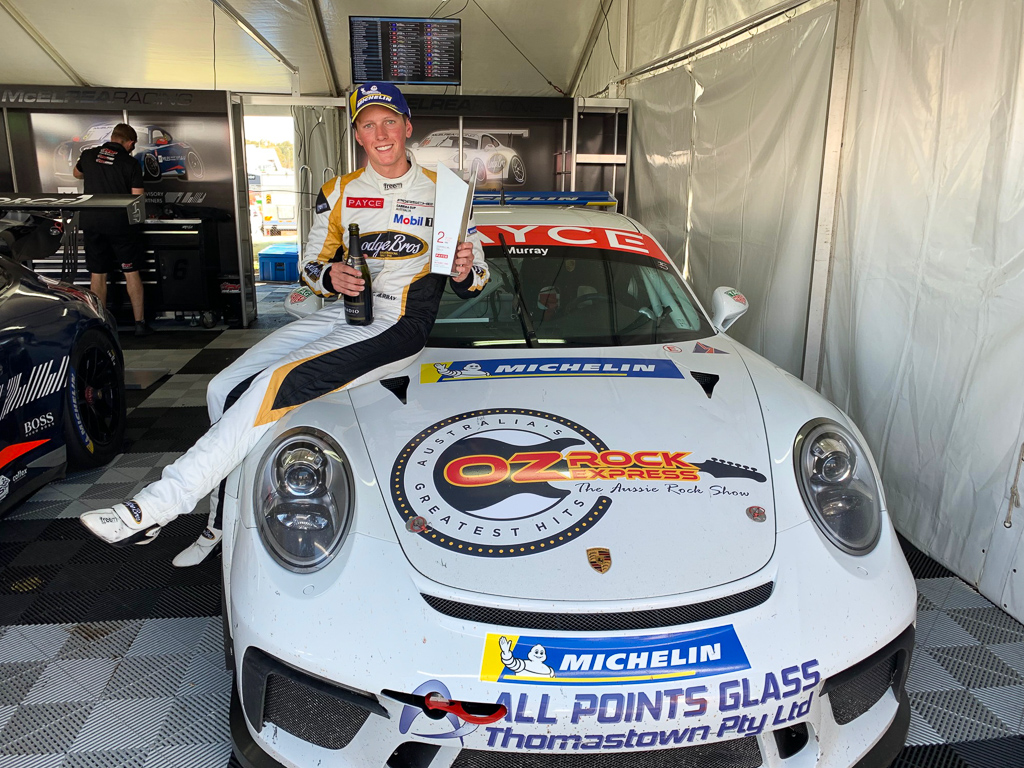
<point x="62" y="393"/>
<point x="157" y="152"/>
<point x="161" y="155"/>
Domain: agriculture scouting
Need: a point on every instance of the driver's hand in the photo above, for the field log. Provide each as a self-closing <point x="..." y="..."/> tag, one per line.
<point x="345" y="279"/>
<point x="463" y="261"/>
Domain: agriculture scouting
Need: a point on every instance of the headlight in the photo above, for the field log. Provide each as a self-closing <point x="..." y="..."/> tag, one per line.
<point x="303" y="499"/>
<point x="838" y="485"/>
<point x="495" y="163"/>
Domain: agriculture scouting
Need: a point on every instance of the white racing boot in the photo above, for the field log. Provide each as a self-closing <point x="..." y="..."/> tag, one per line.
<point x="200" y="550"/>
<point x="123" y="525"/>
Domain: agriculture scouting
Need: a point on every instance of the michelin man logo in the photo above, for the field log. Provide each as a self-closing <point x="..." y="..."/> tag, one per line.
<point x="533" y="665"/>
<point x="5" y="486"/>
<point x="468" y="371"/>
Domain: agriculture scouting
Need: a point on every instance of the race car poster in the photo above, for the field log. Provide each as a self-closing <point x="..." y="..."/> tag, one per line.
<point x="184" y="159"/>
<point x="46" y="146"/>
<point x="512" y="153"/>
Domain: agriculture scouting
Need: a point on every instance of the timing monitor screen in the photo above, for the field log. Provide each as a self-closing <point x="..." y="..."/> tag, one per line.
<point x="406" y="50"/>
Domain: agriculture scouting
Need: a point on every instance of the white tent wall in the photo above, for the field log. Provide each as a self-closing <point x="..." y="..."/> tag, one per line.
<point x="758" y="139"/>
<point x="659" y="27"/>
<point x="320" y="146"/>
<point x="925" y="325"/>
<point x="660" y="162"/>
<point x="606" y="60"/>
<point x="741" y="161"/>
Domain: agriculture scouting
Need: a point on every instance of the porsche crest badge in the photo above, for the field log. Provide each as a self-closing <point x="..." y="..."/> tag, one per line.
<point x="600" y="559"/>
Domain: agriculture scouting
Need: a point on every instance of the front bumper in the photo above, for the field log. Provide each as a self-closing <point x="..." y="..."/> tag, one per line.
<point x="363" y="625"/>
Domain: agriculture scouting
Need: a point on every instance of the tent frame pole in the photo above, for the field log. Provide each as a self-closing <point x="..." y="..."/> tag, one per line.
<point x="828" y="195"/>
<point x="43" y="43"/>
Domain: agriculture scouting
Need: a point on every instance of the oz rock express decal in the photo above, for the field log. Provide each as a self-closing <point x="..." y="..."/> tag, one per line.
<point x="513" y="482"/>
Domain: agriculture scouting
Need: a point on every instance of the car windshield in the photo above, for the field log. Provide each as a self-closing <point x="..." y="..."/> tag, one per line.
<point x="575" y="297"/>
<point x="97" y="132"/>
<point x="439" y="141"/>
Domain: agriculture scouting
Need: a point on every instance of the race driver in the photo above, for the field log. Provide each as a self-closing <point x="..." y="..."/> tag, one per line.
<point x="392" y="200"/>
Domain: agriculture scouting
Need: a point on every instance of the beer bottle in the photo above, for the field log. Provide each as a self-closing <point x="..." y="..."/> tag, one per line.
<point x="358" y="309"/>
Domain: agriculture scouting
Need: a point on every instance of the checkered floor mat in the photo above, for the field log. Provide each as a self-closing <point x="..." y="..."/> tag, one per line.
<point x="93" y="638"/>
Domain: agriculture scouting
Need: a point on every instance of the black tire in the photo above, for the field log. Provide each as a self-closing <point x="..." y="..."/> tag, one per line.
<point x="94" y="402"/>
<point x="151" y="165"/>
<point x="479" y="171"/>
<point x="208" y="319"/>
<point x="516" y="170"/>
<point x="194" y="167"/>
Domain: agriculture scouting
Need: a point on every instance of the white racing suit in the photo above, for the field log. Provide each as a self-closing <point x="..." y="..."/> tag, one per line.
<point x="322" y="353"/>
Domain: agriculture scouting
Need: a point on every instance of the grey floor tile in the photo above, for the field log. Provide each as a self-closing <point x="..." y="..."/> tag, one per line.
<point x="1005" y="703"/>
<point x="138" y="677"/>
<point x="38" y="729"/>
<point x="17" y="679"/>
<point x="990" y="625"/>
<point x="926" y="674"/>
<point x="32" y="761"/>
<point x="976" y="666"/>
<point x="101" y="640"/>
<point x="92" y="675"/>
<point x="962" y="595"/>
<point x="1012" y="654"/>
<point x="921" y="732"/>
<point x="56" y="685"/>
<point x="946" y="631"/>
<point x="958" y="716"/>
<point x="198" y="720"/>
<point x="38" y="642"/>
<point x="205" y="675"/>
<point x="193" y="755"/>
<point x="6" y="711"/>
<point x="936" y="590"/>
<point x="164" y="636"/>
<point x="107" y="758"/>
<point x="123" y="724"/>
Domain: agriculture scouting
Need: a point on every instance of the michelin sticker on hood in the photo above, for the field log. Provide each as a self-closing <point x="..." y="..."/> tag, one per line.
<point x="598" y="661"/>
<point x="508" y="482"/>
<point x="534" y="367"/>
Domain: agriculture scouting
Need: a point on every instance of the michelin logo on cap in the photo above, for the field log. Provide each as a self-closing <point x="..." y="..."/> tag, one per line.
<point x="382" y="94"/>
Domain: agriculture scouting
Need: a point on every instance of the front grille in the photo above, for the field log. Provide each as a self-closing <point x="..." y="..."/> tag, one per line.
<point x="737" y="753"/>
<point x="854" y="697"/>
<point x="312" y="715"/>
<point x="604" y="622"/>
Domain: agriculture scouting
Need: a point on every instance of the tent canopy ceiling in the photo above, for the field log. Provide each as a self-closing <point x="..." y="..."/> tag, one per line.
<point x="197" y="44"/>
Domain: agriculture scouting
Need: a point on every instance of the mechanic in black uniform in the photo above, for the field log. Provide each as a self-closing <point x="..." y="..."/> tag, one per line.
<point x="110" y="241"/>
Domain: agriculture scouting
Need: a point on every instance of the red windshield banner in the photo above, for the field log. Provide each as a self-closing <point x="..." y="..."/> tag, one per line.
<point x="533" y="239"/>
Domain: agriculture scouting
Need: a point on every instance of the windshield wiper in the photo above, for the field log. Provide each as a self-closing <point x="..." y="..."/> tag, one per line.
<point x="524" y="316"/>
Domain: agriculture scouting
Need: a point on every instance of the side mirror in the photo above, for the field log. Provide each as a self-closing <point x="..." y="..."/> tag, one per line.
<point x="727" y="306"/>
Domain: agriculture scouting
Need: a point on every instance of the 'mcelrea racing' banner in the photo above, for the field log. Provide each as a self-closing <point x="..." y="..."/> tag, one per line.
<point x="523" y="368"/>
<point x="602" y="660"/>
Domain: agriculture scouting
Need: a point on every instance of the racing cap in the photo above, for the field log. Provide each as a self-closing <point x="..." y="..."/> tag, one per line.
<point x="382" y="94"/>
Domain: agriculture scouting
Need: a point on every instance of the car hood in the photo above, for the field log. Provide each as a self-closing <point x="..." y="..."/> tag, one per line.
<point x="607" y="474"/>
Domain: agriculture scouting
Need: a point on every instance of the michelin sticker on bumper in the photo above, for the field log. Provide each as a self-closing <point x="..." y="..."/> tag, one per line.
<point x="537" y="367"/>
<point x="537" y="660"/>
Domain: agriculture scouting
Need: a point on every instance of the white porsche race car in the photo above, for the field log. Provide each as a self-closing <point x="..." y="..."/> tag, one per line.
<point x="585" y="528"/>
<point x="482" y="155"/>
